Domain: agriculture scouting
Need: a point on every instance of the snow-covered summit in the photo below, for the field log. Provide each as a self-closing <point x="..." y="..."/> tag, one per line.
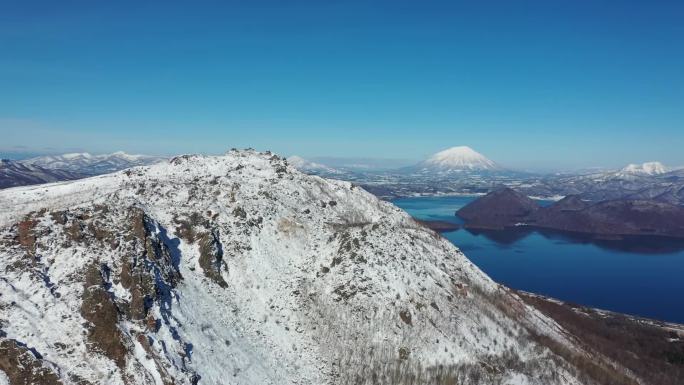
<point x="76" y="155"/>
<point x="239" y="269"/>
<point x="129" y="157"/>
<point x="648" y="168"/>
<point x="459" y="158"/>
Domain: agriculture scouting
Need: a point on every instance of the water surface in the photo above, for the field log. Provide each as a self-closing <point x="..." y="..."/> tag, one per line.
<point x="640" y="276"/>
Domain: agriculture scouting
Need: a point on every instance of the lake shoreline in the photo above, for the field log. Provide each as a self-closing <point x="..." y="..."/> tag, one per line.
<point x="633" y="275"/>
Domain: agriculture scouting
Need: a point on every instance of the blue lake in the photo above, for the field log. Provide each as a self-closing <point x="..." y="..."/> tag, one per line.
<point x="642" y="277"/>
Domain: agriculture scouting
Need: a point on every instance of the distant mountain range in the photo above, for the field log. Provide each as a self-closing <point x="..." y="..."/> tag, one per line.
<point x="457" y="160"/>
<point x="457" y="170"/>
<point x="463" y="159"/>
<point x="87" y="164"/>
<point x="55" y="168"/>
<point x="14" y="174"/>
<point x="462" y="170"/>
<point x="650" y="181"/>
<point x="308" y="166"/>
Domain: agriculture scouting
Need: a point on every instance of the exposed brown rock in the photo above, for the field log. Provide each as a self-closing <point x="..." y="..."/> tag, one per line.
<point x="211" y="257"/>
<point x="75" y="231"/>
<point x="26" y="234"/>
<point x="137" y="223"/>
<point x="102" y="314"/>
<point x="145" y="343"/>
<point x="189" y="227"/>
<point x="405" y="316"/>
<point x="240" y="212"/>
<point x="404" y="353"/>
<point x="77" y="380"/>
<point x="101" y="234"/>
<point x="59" y="217"/>
<point x="141" y="286"/>
<point x="22" y="368"/>
<point x="151" y="256"/>
<point x="151" y="323"/>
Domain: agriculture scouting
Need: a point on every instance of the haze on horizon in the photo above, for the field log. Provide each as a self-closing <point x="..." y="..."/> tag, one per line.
<point x="541" y="85"/>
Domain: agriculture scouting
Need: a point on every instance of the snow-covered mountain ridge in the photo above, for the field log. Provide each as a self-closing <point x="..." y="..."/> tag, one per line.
<point x="13" y="173"/>
<point x="88" y="164"/>
<point x="648" y="168"/>
<point x="238" y="269"/>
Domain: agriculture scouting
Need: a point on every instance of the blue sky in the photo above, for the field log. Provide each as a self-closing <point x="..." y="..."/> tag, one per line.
<point x="531" y="84"/>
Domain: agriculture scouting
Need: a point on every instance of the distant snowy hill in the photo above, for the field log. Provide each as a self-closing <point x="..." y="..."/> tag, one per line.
<point x="13" y="173"/>
<point x="239" y="269"/>
<point x="648" y="168"/>
<point x="88" y="164"/>
<point x="455" y="159"/>
<point x="651" y="181"/>
<point x="308" y="166"/>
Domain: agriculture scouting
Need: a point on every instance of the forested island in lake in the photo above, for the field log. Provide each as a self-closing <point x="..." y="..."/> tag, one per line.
<point x="506" y="208"/>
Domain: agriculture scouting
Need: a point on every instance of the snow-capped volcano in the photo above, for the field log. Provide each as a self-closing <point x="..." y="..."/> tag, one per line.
<point x="648" y="168"/>
<point x="239" y="269"/>
<point x="88" y="164"/>
<point x="460" y="158"/>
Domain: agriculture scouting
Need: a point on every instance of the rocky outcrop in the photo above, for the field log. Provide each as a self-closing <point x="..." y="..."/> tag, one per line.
<point x="211" y="257"/>
<point x="21" y="366"/>
<point x="120" y="286"/>
<point x="99" y="309"/>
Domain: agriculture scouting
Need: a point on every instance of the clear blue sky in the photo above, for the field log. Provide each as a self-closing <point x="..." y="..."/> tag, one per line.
<point x="549" y="83"/>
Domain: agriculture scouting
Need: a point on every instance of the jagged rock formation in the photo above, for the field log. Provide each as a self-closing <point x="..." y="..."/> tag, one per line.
<point x="240" y="270"/>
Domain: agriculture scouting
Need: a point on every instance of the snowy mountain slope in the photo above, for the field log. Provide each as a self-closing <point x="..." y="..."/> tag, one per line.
<point x="14" y="174"/>
<point x="460" y="158"/>
<point x="241" y="270"/>
<point x="88" y="164"/>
